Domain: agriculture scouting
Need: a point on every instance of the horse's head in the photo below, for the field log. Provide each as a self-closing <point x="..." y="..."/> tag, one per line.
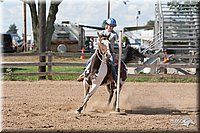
<point x="104" y="44"/>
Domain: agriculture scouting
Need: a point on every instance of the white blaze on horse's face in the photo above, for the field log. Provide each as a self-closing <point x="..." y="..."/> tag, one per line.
<point x="105" y="47"/>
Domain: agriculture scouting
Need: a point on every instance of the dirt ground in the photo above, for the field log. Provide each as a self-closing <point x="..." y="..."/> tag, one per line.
<point x="51" y="105"/>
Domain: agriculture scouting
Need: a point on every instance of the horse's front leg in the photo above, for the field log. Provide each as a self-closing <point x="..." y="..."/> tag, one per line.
<point x="86" y="89"/>
<point x="87" y="97"/>
<point x="96" y="82"/>
<point x="81" y="108"/>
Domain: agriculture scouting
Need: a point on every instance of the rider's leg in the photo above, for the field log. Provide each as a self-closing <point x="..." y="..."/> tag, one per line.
<point x="114" y="73"/>
<point x="113" y="67"/>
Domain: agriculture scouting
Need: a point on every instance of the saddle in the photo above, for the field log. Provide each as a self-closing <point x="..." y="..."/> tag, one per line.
<point x="109" y="76"/>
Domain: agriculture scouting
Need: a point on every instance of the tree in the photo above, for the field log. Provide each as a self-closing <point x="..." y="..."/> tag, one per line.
<point x="150" y="23"/>
<point x="49" y="23"/>
<point x="12" y="29"/>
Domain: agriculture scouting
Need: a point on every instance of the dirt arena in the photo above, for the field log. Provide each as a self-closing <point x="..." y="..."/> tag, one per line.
<point x="51" y="105"/>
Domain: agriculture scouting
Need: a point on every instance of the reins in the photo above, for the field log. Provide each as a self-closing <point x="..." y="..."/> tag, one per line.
<point x="99" y="56"/>
<point x="99" y="51"/>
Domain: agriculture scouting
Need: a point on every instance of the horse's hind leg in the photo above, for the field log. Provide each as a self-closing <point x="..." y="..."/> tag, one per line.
<point x="115" y="102"/>
<point x="110" y="90"/>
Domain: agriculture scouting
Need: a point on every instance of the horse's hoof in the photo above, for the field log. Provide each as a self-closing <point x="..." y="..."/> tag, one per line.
<point x="117" y="109"/>
<point x="78" y="112"/>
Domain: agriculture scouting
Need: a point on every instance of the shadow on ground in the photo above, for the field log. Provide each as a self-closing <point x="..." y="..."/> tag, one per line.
<point x="156" y="111"/>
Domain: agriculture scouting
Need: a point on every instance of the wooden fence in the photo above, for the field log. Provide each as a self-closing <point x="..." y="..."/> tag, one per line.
<point x="49" y="63"/>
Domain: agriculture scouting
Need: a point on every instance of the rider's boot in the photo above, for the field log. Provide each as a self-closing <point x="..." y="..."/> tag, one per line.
<point x="81" y="77"/>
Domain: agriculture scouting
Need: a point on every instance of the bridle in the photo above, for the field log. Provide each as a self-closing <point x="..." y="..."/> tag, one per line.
<point x="103" y="48"/>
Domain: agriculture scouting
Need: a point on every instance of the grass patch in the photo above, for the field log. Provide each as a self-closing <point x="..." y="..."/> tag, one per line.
<point x="56" y="69"/>
<point x="79" y="69"/>
<point x="172" y="79"/>
<point x="69" y="69"/>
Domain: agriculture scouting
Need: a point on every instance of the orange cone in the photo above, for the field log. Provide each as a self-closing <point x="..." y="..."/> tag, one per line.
<point x="165" y="58"/>
<point x="82" y="52"/>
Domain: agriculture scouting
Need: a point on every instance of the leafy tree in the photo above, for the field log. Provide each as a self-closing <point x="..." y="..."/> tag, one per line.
<point x="12" y="29"/>
<point x="150" y="23"/>
<point x="49" y="21"/>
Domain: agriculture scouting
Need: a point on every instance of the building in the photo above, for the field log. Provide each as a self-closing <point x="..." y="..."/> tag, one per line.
<point x="68" y="34"/>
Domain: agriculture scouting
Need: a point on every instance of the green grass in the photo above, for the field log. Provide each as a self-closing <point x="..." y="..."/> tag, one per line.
<point x="56" y="69"/>
<point x="78" y="70"/>
<point x="69" y="69"/>
<point x="172" y="79"/>
<point x="74" y="69"/>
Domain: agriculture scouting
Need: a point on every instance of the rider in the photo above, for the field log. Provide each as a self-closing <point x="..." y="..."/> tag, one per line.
<point x="109" y="29"/>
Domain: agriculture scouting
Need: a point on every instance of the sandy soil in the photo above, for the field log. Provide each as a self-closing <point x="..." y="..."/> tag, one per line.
<point x="51" y="105"/>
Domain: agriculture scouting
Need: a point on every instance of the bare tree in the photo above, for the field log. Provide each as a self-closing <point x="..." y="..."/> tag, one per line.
<point x="49" y="23"/>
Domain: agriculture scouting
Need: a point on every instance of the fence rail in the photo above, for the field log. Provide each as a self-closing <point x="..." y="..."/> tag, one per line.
<point x="49" y="63"/>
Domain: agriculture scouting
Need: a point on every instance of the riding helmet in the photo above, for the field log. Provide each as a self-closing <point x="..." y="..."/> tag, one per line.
<point x="111" y="22"/>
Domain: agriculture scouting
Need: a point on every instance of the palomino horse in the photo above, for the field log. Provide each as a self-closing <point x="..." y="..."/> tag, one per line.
<point x="100" y="73"/>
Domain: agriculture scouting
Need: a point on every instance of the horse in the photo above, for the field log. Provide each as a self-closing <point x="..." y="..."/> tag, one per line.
<point x="100" y="73"/>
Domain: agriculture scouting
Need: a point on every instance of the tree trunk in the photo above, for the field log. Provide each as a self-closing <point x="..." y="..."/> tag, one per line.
<point x="35" y="25"/>
<point x="50" y="23"/>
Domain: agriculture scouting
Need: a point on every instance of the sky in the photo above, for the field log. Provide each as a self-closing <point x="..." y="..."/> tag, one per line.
<point x="88" y="12"/>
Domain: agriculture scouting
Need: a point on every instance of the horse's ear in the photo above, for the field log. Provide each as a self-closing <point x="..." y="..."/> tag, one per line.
<point x="99" y="35"/>
<point x="108" y="36"/>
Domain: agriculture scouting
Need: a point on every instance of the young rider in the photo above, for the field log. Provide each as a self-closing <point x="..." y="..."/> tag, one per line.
<point x="109" y="29"/>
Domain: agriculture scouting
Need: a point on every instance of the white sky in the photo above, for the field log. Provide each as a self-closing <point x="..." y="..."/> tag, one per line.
<point x="89" y="12"/>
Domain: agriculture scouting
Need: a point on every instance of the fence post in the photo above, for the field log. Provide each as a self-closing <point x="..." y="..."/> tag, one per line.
<point x="50" y="66"/>
<point x="42" y="33"/>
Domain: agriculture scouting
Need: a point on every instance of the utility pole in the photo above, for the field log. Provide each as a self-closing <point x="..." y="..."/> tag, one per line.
<point x="24" y="36"/>
<point x="137" y="17"/>
<point x="42" y="33"/>
<point x="108" y="9"/>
